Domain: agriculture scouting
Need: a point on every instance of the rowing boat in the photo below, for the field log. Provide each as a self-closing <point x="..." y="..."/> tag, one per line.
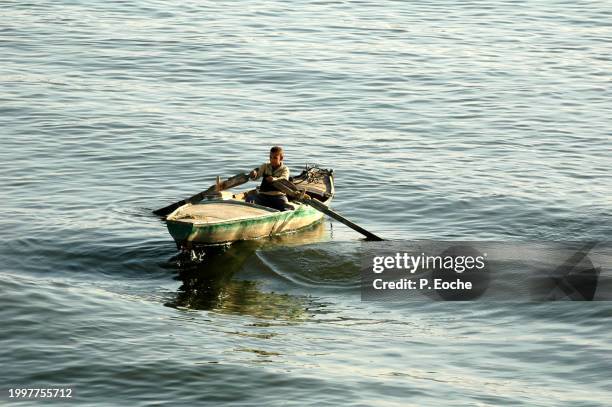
<point x="224" y="217"/>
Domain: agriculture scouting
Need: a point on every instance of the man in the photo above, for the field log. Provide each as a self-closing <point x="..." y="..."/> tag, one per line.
<point x="270" y="172"/>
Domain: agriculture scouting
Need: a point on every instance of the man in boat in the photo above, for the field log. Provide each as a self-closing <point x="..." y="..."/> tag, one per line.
<point x="270" y="172"/>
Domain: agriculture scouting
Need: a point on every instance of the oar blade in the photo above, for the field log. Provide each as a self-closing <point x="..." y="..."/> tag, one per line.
<point x="167" y="210"/>
<point x="333" y="214"/>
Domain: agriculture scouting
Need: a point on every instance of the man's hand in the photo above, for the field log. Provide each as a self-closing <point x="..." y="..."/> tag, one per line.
<point x="270" y="178"/>
<point x="253" y="174"/>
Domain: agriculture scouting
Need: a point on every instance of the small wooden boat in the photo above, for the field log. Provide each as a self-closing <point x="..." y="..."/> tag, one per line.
<point x="225" y="217"/>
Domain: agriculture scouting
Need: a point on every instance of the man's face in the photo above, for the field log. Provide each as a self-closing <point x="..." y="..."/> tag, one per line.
<point x="276" y="159"/>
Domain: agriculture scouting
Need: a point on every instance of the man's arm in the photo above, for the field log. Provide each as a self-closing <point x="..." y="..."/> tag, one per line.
<point x="257" y="172"/>
<point x="284" y="174"/>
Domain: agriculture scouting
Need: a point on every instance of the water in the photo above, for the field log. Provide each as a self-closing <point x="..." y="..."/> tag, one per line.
<point x="442" y="120"/>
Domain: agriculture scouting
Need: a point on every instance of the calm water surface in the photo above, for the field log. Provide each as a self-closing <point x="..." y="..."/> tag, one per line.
<point x="442" y="120"/>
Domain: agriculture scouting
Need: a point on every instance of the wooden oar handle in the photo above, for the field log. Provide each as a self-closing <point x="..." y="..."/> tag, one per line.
<point x="287" y="187"/>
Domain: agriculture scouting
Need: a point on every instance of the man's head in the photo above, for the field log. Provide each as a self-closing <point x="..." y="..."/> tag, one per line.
<point x="276" y="156"/>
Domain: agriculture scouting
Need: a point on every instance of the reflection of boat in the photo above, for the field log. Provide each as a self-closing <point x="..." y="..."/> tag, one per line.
<point x="228" y="218"/>
<point x="214" y="283"/>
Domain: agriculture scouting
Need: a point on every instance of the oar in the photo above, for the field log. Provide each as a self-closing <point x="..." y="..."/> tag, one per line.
<point x="227" y="184"/>
<point x="291" y="190"/>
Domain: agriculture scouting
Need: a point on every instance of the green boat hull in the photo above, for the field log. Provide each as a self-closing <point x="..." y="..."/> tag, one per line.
<point x="188" y="234"/>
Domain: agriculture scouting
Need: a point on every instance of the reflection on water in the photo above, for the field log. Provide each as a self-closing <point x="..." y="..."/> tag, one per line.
<point x="208" y="282"/>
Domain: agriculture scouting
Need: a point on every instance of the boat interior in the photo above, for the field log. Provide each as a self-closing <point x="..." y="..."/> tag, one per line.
<point x="225" y="205"/>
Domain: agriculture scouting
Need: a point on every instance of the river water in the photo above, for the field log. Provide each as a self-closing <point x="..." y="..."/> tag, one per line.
<point x="442" y="120"/>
